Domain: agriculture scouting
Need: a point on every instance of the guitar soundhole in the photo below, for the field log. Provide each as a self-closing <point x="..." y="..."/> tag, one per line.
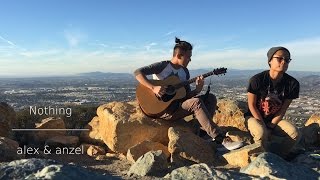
<point x="170" y="90"/>
<point x="167" y="97"/>
<point x="170" y="93"/>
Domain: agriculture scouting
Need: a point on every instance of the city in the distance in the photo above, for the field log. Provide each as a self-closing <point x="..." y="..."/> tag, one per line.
<point x="96" y="88"/>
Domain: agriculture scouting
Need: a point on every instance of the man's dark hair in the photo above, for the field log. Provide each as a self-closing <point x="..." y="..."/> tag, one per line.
<point x="181" y="46"/>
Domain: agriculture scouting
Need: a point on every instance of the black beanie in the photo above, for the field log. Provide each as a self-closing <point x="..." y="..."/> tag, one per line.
<point x="273" y="50"/>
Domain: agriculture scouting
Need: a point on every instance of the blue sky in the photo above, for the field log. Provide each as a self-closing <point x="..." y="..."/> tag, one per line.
<point x="67" y="37"/>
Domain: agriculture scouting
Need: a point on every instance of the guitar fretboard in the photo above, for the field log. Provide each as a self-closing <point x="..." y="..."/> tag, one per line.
<point x="214" y="72"/>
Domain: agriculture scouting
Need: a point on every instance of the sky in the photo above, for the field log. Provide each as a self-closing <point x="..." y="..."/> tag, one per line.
<point x="44" y="38"/>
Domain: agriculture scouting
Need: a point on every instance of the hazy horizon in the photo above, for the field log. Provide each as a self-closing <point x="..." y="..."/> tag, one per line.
<point x="131" y="73"/>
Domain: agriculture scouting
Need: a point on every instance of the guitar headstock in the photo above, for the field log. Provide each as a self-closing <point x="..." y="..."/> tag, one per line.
<point x="219" y="71"/>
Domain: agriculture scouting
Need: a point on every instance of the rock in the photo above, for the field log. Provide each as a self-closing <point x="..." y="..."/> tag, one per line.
<point x="242" y="157"/>
<point x="63" y="141"/>
<point x="116" y="155"/>
<point x="8" y="149"/>
<point x="7" y="119"/>
<point x="40" y="136"/>
<point x="92" y="136"/>
<point x="101" y="157"/>
<point x="184" y="145"/>
<point x="140" y="149"/>
<point x="315" y="118"/>
<point x="274" y="167"/>
<point x="95" y="151"/>
<point x="123" y="125"/>
<point x="45" y="169"/>
<point x="203" y="171"/>
<point x="311" y="132"/>
<point x="309" y="159"/>
<point x="152" y="163"/>
<point x="230" y="114"/>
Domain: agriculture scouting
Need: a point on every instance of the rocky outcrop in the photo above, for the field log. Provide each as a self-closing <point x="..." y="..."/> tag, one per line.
<point x="45" y="169"/>
<point x="92" y="136"/>
<point x="203" y="171"/>
<point x="126" y="130"/>
<point x="7" y="119"/>
<point x="8" y="149"/>
<point x="274" y="167"/>
<point x="152" y="163"/>
<point x="123" y="125"/>
<point x="243" y="156"/>
<point x="186" y="146"/>
<point x="95" y="151"/>
<point x="311" y="132"/>
<point x="63" y="141"/>
<point x="230" y="114"/>
<point x="315" y="118"/>
<point x="140" y="149"/>
<point x="40" y="136"/>
<point x="309" y="159"/>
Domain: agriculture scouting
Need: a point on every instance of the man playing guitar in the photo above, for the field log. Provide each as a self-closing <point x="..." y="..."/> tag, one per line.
<point x="202" y="107"/>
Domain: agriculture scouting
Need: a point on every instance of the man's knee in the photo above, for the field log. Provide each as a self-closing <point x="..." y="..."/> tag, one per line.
<point x="291" y="130"/>
<point x="256" y="129"/>
<point x="196" y="103"/>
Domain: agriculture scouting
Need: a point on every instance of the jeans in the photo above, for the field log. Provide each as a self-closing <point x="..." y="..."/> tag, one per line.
<point x="202" y="107"/>
<point x="284" y="129"/>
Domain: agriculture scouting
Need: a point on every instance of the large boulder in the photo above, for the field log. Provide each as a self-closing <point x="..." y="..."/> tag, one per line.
<point x="311" y="132"/>
<point x="315" y="118"/>
<point x="123" y="125"/>
<point x="185" y="146"/>
<point x="45" y="169"/>
<point x="230" y="114"/>
<point x="152" y="163"/>
<point x="92" y="136"/>
<point x="63" y="141"/>
<point x="7" y="119"/>
<point x="203" y="171"/>
<point x="43" y="131"/>
<point x="274" y="167"/>
<point x="140" y="149"/>
<point x="8" y="149"/>
<point x="243" y="156"/>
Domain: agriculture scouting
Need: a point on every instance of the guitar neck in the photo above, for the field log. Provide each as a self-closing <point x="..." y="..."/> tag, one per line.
<point x="193" y="80"/>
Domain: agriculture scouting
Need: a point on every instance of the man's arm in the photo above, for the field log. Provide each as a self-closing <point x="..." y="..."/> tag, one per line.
<point x="252" y="101"/>
<point x="140" y="75"/>
<point x="279" y="115"/>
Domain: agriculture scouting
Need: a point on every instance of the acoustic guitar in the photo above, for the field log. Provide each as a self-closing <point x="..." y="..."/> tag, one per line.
<point x="154" y="106"/>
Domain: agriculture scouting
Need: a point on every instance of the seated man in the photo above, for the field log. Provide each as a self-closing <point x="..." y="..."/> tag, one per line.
<point x="202" y="108"/>
<point x="269" y="96"/>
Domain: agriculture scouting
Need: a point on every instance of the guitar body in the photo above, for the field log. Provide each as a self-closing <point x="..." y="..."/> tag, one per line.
<point x="153" y="106"/>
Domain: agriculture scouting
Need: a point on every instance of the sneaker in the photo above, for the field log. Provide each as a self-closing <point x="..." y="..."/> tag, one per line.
<point x="228" y="144"/>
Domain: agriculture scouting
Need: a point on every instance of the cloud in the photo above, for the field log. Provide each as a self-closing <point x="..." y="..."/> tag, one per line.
<point x="74" y="37"/>
<point x="305" y="54"/>
<point x="7" y="41"/>
<point x="113" y="59"/>
<point x="150" y="45"/>
<point x="169" y="33"/>
<point x="40" y="53"/>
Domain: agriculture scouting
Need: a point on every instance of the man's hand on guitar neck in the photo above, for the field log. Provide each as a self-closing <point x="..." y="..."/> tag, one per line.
<point x="199" y="83"/>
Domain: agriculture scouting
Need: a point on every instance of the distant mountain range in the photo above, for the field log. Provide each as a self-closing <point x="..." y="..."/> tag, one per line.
<point x="107" y="74"/>
<point x="231" y="73"/>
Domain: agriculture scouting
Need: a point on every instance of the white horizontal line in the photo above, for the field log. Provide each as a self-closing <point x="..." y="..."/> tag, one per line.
<point x="50" y="129"/>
